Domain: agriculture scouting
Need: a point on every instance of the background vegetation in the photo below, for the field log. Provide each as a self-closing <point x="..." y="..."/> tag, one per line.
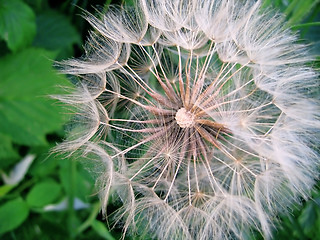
<point x="44" y="196"/>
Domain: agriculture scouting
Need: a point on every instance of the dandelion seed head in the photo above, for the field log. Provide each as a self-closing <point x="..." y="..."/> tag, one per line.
<point x="202" y="113"/>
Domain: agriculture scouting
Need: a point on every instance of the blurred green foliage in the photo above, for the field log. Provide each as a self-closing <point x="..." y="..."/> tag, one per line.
<point x="43" y="196"/>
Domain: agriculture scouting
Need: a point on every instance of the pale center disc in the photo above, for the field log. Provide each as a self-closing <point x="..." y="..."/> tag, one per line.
<point x="184" y="118"/>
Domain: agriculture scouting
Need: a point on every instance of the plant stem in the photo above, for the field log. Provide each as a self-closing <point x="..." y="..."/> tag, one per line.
<point x="71" y="212"/>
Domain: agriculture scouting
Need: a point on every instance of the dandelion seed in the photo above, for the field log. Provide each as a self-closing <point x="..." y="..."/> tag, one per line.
<point x="202" y="114"/>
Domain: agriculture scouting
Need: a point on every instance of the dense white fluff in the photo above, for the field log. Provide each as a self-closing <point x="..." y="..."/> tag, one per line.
<point x="199" y="117"/>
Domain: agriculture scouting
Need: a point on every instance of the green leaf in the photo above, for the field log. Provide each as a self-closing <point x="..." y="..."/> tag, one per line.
<point x="101" y="230"/>
<point x="43" y="193"/>
<point x="7" y="153"/>
<point x="316" y="228"/>
<point x="298" y="10"/>
<point x="308" y="218"/>
<point x="306" y="25"/>
<point x="27" y="113"/>
<point x="12" y="214"/>
<point x="17" y="24"/>
<point x="5" y="189"/>
<point x="37" y="228"/>
<point x="45" y="164"/>
<point x="78" y="182"/>
<point x="55" y="32"/>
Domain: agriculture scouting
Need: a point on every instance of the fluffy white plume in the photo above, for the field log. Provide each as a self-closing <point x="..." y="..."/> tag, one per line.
<point x="200" y="116"/>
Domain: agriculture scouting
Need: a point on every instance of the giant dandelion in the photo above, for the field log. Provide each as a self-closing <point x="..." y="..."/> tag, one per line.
<point x="198" y="116"/>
